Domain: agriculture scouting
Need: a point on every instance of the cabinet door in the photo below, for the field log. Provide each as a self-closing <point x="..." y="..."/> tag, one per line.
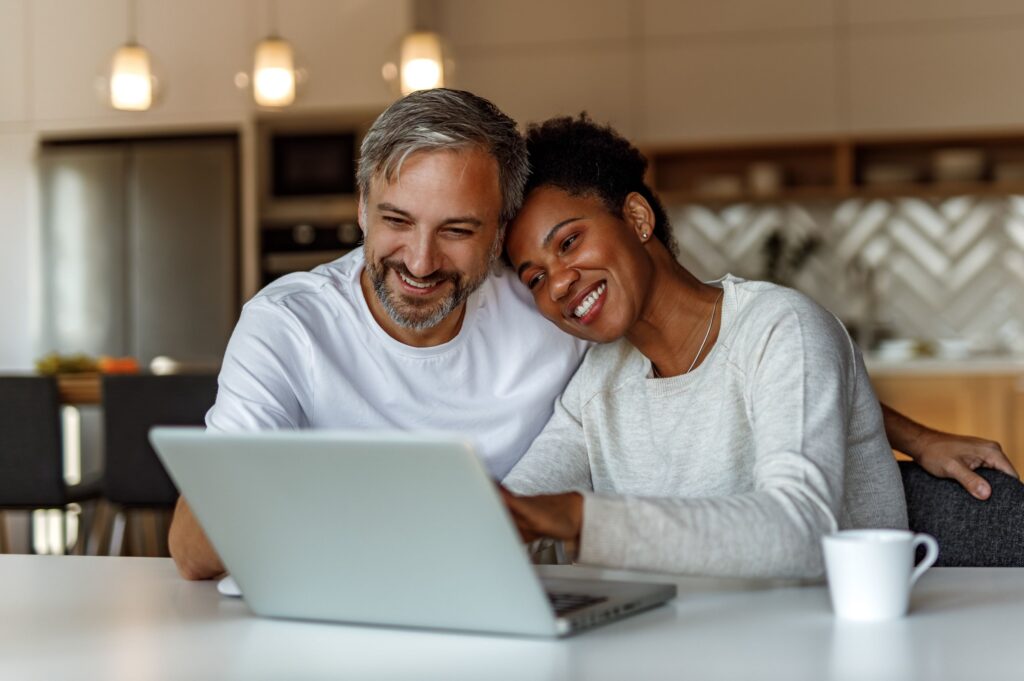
<point x="83" y="256"/>
<point x="183" y="199"/>
<point x="976" y="405"/>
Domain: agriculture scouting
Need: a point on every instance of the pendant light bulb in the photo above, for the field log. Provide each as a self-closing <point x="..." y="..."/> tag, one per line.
<point x="131" y="79"/>
<point x="422" y="62"/>
<point x="274" y="73"/>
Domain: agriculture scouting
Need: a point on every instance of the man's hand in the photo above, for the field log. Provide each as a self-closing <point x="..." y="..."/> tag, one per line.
<point x="192" y="552"/>
<point x="558" y="516"/>
<point x="945" y="455"/>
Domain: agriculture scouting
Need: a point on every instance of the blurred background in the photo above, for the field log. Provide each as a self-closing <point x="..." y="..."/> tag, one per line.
<point x="161" y="161"/>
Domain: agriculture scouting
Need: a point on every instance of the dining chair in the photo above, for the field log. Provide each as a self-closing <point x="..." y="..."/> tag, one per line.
<point x="31" y="452"/>
<point x="971" y="533"/>
<point x="135" y="485"/>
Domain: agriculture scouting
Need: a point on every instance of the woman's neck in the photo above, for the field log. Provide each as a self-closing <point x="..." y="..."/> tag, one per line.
<point x="680" y="314"/>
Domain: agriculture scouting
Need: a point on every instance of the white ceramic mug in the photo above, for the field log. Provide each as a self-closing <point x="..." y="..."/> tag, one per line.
<point x="871" y="572"/>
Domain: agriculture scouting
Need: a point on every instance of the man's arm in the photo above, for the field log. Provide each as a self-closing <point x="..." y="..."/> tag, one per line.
<point x="263" y="384"/>
<point x="190" y="549"/>
<point x="946" y="455"/>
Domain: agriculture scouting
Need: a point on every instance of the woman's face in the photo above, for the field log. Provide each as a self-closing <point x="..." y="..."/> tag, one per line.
<point x="587" y="269"/>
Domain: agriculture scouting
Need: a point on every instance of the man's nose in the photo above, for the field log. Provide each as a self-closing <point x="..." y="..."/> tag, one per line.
<point x="423" y="257"/>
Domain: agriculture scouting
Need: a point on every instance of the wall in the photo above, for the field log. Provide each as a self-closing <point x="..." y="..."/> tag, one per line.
<point x="666" y="71"/>
<point x="663" y="71"/>
<point x="52" y="51"/>
<point x="930" y="269"/>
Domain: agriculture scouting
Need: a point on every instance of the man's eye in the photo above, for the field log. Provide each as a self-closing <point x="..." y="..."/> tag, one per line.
<point x="534" y="280"/>
<point x="394" y="220"/>
<point x="568" y="242"/>
<point x="460" y="232"/>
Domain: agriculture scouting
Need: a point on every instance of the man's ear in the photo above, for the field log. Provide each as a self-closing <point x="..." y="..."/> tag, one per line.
<point x="638" y="215"/>
<point x="361" y="214"/>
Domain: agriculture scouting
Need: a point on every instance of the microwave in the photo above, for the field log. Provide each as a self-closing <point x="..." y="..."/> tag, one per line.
<point x="312" y="164"/>
<point x="307" y="166"/>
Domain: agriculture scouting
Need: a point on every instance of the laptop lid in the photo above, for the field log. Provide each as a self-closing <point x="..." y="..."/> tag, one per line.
<point x="367" y="527"/>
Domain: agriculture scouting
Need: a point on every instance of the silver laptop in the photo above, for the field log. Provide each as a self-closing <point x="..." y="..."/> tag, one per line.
<point x="395" y="529"/>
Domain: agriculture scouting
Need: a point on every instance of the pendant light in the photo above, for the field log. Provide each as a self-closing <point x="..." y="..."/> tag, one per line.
<point x="424" y="61"/>
<point x="132" y="85"/>
<point x="274" y="73"/>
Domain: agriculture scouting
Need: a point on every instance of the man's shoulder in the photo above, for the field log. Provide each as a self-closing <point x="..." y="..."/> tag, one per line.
<point x="517" y="315"/>
<point x="325" y="285"/>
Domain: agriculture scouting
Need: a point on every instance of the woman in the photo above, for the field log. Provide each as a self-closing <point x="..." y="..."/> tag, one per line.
<point x="719" y="427"/>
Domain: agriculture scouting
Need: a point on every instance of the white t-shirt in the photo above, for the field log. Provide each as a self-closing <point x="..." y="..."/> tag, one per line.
<point x="307" y="353"/>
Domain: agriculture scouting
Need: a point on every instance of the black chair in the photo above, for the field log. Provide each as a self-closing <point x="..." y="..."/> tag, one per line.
<point x="31" y="451"/>
<point x="971" y="533"/>
<point x="135" y="483"/>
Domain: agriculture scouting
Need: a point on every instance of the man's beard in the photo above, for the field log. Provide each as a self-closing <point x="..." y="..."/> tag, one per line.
<point x="419" y="315"/>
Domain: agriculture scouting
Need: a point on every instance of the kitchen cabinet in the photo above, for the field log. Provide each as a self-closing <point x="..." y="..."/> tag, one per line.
<point x="979" y="162"/>
<point x="989" y="405"/>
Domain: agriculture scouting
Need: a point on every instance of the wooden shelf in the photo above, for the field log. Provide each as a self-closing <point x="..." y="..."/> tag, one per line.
<point x="762" y="171"/>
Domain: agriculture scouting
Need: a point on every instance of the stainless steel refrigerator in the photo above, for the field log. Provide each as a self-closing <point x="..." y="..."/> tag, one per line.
<point x="140" y="247"/>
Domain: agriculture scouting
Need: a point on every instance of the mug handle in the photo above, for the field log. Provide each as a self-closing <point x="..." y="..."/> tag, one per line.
<point x="930" y="556"/>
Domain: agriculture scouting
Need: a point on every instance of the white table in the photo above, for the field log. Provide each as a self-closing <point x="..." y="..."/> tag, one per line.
<point x="134" y="618"/>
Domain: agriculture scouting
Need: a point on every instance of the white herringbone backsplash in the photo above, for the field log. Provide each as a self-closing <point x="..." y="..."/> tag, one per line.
<point x="919" y="268"/>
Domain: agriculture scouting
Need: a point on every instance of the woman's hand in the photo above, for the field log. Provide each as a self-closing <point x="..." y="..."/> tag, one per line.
<point x="945" y="455"/>
<point x="558" y="516"/>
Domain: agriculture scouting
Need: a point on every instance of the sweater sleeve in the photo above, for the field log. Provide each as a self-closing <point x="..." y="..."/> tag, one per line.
<point x="557" y="460"/>
<point x="797" y="388"/>
<point x="264" y="380"/>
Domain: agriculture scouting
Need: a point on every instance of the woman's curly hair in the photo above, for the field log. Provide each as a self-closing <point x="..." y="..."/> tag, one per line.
<point x="582" y="158"/>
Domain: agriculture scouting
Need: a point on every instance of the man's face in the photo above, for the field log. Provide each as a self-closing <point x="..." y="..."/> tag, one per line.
<point x="431" y="234"/>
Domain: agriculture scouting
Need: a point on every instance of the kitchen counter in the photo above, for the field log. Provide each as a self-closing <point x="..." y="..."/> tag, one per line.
<point x="974" y="366"/>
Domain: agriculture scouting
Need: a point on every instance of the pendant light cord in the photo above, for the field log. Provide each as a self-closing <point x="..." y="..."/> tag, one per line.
<point x="133" y="22"/>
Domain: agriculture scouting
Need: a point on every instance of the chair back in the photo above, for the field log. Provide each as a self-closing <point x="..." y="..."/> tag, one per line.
<point x="31" y="453"/>
<point x="971" y="533"/>
<point x="132" y="473"/>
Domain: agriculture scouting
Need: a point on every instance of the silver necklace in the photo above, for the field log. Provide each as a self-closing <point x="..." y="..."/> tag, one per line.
<point x="707" y="334"/>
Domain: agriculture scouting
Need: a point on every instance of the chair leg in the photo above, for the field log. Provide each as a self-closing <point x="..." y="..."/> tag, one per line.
<point x="150" y="533"/>
<point x="99" y="535"/>
<point x="5" y="545"/>
<point x="117" y="533"/>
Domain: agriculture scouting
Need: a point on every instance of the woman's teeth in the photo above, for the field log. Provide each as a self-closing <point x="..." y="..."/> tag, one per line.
<point x="415" y="284"/>
<point x="588" y="302"/>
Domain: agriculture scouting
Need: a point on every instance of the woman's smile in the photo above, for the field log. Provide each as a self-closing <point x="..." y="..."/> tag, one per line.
<point x="587" y="305"/>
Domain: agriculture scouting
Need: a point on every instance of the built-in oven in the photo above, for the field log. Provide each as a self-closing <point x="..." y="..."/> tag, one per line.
<point x="308" y="198"/>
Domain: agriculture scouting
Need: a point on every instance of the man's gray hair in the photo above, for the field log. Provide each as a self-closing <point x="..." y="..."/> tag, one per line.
<point x="445" y="120"/>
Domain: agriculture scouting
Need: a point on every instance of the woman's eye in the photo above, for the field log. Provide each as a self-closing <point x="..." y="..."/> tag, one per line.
<point x="567" y="242"/>
<point x="534" y="280"/>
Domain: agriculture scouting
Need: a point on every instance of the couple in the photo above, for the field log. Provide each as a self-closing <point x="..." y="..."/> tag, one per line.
<point x="716" y="428"/>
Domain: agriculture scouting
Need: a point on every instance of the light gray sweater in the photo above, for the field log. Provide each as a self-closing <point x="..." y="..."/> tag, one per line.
<point x="736" y="468"/>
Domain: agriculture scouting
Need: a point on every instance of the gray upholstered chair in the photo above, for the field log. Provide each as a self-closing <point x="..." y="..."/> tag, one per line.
<point x="31" y="450"/>
<point x="971" y="533"/>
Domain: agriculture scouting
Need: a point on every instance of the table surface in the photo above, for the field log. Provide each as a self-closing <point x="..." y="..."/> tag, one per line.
<point x="134" y="618"/>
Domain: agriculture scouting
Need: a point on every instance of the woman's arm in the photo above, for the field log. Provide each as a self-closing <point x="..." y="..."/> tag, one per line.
<point x="557" y="460"/>
<point x="800" y="395"/>
<point x="946" y="455"/>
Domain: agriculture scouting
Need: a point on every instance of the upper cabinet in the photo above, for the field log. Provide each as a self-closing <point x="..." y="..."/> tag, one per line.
<point x="13" y="61"/>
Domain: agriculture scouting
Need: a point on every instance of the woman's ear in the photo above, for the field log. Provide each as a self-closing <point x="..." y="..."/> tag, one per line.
<point x="638" y="215"/>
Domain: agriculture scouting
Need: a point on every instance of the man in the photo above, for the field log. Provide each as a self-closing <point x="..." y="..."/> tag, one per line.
<point x="415" y="330"/>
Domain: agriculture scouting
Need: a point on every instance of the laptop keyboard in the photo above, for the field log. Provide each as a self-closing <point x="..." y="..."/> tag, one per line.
<point x="565" y="603"/>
